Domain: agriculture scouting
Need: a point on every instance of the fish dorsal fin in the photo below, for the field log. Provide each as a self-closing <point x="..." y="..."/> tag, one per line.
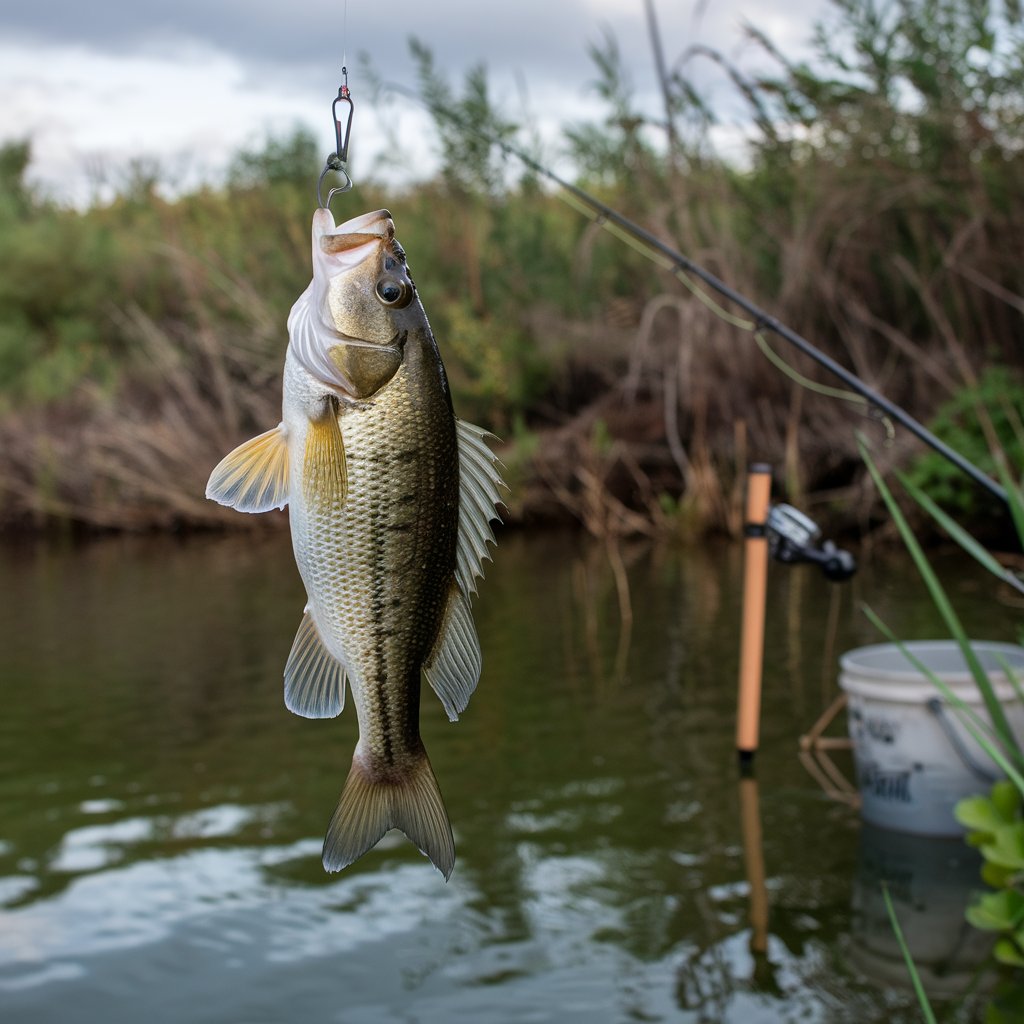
<point x="314" y="680"/>
<point x="479" y="481"/>
<point x="254" y="477"/>
<point x="453" y="668"/>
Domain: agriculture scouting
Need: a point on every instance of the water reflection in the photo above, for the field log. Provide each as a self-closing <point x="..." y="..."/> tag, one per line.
<point x="931" y="880"/>
<point x="161" y="814"/>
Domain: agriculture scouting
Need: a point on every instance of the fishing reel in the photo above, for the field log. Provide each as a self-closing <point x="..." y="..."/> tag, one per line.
<point x="793" y="537"/>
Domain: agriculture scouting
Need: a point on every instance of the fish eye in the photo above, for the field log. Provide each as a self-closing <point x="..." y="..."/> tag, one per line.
<point x="394" y="292"/>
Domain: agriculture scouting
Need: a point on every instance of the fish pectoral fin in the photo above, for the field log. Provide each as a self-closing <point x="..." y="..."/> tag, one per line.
<point x="325" y="466"/>
<point x="314" y="680"/>
<point x="479" y="497"/>
<point x="453" y="666"/>
<point x="371" y="804"/>
<point x="254" y="477"/>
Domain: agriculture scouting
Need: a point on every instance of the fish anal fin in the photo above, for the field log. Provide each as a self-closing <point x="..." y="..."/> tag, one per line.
<point x="372" y="802"/>
<point x="479" y="498"/>
<point x="254" y="477"/>
<point x="453" y="666"/>
<point x="314" y="680"/>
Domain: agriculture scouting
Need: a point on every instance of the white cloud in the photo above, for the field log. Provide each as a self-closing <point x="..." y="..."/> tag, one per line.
<point x="99" y="85"/>
<point x="82" y="109"/>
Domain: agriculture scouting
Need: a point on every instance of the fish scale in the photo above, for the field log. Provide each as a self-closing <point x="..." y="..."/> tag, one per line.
<point x="376" y="616"/>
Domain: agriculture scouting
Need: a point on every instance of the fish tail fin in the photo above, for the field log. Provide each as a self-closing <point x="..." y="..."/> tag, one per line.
<point x="373" y="802"/>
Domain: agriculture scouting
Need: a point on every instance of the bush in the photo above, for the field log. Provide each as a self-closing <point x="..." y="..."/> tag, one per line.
<point x="986" y="415"/>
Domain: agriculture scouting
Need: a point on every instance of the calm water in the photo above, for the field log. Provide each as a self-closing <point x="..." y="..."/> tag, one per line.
<point x="161" y="813"/>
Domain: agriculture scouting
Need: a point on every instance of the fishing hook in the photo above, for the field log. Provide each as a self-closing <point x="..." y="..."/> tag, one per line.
<point x="338" y="160"/>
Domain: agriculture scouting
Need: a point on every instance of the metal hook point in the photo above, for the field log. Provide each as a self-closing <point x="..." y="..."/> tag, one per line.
<point x="333" y="164"/>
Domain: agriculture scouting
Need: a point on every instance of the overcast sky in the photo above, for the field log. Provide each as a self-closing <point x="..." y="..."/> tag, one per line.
<point x="188" y="82"/>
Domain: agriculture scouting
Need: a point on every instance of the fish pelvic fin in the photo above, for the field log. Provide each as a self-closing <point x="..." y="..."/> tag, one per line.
<point x="373" y="802"/>
<point x="254" y="477"/>
<point x="314" y="680"/>
<point x="479" y="498"/>
<point x="453" y="666"/>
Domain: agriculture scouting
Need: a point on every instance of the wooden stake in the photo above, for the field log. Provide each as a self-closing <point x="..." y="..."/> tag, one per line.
<point x="755" y="582"/>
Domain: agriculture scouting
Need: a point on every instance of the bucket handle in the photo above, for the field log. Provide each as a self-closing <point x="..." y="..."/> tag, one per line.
<point x="938" y="709"/>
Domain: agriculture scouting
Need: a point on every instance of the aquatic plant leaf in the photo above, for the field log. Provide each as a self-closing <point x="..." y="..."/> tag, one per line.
<point x="915" y="977"/>
<point x="986" y="813"/>
<point x="997" y="911"/>
<point x="1007" y="848"/>
<point x="978" y="813"/>
<point x="453" y="667"/>
<point x="253" y="477"/>
<point x="479" y="497"/>
<point x="996" y="875"/>
<point x="1008" y="952"/>
<point x="1006" y="800"/>
<point x="1007" y="1003"/>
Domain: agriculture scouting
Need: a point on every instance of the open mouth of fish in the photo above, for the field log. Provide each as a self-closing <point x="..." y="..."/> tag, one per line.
<point x="354" y="241"/>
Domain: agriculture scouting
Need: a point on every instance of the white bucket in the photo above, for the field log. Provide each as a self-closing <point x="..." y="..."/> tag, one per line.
<point x="913" y="756"/>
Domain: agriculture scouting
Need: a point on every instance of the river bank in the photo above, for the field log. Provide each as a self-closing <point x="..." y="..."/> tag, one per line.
<point x="141" y="338"/>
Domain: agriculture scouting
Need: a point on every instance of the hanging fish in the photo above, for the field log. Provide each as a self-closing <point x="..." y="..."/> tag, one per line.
<point x="390" y="500"/>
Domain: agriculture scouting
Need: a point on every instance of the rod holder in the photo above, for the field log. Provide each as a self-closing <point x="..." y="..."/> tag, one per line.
<point x="755" y="583"/>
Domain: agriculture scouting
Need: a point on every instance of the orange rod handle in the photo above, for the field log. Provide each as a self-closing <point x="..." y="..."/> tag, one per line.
<point x="755" y="582"/>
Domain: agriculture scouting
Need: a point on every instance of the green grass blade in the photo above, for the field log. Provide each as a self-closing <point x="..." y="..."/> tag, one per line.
<point x="976" y="550"/>
<point x="922" y="996"/>
<point x="942" y="603"/>
<point x="1011" y="675"/>
<point x="1015" y="496"/>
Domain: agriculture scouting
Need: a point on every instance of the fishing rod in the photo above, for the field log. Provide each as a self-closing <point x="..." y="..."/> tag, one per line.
<point x="663" y="254"/>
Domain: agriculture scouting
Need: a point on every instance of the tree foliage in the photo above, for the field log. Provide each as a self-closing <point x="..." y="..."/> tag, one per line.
<point x="876" y="211"/>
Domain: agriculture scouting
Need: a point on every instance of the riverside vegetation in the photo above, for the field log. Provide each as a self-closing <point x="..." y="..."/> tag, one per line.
<point x="877" y="213"/>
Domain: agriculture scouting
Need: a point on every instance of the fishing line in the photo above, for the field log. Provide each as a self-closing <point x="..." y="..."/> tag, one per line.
<point x="656" y="257"/>
<point x="683" y="269"/>
<point x="787" y="369"/>
<point x="344" y="35"/>
<point x="797" y="377"/>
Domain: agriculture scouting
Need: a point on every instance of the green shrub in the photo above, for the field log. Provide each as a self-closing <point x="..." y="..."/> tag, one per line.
<point x="999" y="397"/>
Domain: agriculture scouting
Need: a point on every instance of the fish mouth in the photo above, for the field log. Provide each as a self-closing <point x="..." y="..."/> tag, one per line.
<point x="350" y="243"/>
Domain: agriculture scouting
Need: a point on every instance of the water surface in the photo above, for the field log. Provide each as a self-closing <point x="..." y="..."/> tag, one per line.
<point x="161" y="813"/>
